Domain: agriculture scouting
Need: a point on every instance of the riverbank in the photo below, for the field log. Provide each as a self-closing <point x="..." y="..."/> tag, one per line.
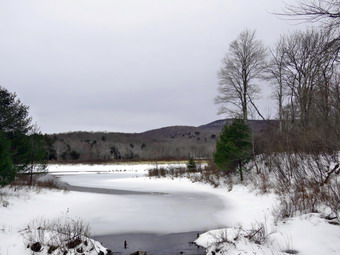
<point x="250" y="212"/>
<point x="159" y="207"/>
<point x="136" y="205"/>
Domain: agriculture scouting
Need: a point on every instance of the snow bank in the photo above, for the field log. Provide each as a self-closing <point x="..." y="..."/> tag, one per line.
<point x="233" y="241"/>
<point x="12" y="242"/>
<point x="308" y="234"/>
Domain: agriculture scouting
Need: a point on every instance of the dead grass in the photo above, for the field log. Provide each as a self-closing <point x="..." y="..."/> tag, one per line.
<point x="24" y="180"/>
<point x="208" y="174"/>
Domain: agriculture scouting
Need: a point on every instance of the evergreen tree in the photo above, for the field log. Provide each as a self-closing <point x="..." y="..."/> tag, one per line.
<point x="14" y="116"/>
<point x="191" y="164"/>
<point x="7" y="171"/>
<point x="234" y="147"/>
<point x="22" y="146"/>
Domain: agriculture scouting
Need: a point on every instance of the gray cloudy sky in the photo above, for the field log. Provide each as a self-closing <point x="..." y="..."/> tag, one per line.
<point x="124" y="65"/>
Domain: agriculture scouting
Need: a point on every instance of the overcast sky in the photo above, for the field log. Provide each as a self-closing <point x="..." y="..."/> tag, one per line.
<point x="125" y="65"/>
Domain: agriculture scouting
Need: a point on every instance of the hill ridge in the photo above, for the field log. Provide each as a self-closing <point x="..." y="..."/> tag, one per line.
<point x="171" y="142"/>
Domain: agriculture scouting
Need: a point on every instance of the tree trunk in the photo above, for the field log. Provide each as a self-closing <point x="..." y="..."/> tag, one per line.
<point x="240" y="169"/>
<point x="31" y="175"/>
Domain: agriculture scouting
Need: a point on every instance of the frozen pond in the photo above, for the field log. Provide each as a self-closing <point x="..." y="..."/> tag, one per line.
<point x="163" y="206"/>
<point x="160" y="216"/>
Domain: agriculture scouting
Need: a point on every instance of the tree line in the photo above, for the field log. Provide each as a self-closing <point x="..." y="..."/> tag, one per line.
<point x="304" y="72"/>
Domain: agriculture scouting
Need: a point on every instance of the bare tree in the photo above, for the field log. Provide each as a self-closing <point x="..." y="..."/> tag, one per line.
<point x="242" y="65"/>
<point x="305" y="66"/>
<point x="325" y="11"/>
<point x="334" y="102"/>
<point x="275" y="73"/>
<point x="304" y="72"/>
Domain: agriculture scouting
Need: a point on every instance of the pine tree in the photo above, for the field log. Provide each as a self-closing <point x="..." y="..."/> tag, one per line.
<point x="7" y="170"/>
<point x="191" y="164"/>
<point x="14" y="116"/>
<point x="22" y="147"/>
<point x="234" y="147"/>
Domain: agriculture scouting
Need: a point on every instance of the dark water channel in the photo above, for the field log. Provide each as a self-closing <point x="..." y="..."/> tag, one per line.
<point x="153" y="244"/>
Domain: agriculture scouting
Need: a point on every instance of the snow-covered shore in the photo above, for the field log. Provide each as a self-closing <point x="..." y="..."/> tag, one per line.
<point x="307" y="234"/>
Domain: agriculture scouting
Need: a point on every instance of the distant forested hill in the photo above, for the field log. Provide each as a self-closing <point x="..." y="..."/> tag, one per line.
<point x="175" y="142"/>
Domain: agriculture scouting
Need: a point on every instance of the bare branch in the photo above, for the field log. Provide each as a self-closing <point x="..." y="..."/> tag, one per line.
<point x="325" y="11"/>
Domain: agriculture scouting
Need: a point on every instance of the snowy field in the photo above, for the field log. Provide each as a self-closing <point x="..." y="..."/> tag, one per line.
<point x="172" y="206"/>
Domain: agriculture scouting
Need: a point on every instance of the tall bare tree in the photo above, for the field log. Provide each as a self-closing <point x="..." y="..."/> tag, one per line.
<point x="275" y="73"/>
<point x="241" y="66"/>
<point x="309" y="61"/>
<point x="333" y="119"/>
<point x="302" y="69"/>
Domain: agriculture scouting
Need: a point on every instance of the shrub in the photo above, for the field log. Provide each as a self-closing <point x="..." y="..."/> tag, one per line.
<point x="304" y="183"/>
<point x="63" y="234"/>
<point x="191" y="165"/>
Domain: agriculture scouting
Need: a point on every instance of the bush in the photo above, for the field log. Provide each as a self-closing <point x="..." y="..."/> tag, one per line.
<point x="25" y="180"/>
<point x="304" y="183"/>
<point x="157" y="172"/>
<point x="191" y="165"/>
<point x="62" y="234"/>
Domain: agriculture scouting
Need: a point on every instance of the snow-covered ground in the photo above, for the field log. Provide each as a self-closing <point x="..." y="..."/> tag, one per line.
<point x="308" y="234"/>
<point x="22" y="206"/>
<point x="169" y="208"/>
<point x="172" y="206"/>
